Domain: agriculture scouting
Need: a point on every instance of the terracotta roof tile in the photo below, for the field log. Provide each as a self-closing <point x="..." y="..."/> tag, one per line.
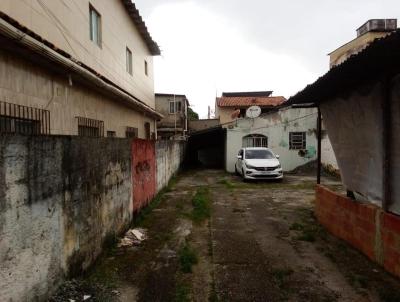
<point x="250" y="101"/>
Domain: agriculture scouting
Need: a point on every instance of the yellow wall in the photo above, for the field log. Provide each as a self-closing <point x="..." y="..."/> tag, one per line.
<point x="341" y="54"/>
<point x="225" y="114"/>
<point x="25" y="83"/>
<point x="72" y="35"/>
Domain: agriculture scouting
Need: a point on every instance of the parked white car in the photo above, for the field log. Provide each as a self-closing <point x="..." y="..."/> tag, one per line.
<point x="258" y="163"/>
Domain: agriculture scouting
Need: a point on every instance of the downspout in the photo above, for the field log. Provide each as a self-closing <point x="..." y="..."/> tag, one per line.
<point x="40" y="48"/>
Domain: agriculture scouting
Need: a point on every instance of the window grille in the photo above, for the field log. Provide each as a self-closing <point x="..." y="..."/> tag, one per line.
<point x="111" y="134"/>
<point x="131" y="132"/>
<point x="255" y="140"/>
<point x="175" y="106"/>
<point x="297" y="140"/>
<point x="18" y="119"/>
<point x="90" y="127"/>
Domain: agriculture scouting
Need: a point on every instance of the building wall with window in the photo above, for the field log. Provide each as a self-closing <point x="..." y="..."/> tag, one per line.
<point x="291" y="133"/>
<point x="66" y="24"/>
<point x="174" y="109"/>
<point x="71" y="105"/>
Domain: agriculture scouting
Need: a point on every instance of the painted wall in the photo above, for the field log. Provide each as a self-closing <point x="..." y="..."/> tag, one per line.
<point x="25" y="83"/>
<point x="162" y="106"/>
<point x="143" y="173"/>
<point x="66" y="25"/>
<point x="197" y="125"/>
<point x="354" y="125"/>
<point x="169" y="156"/>
<point x="276" y="126"/>
<point x="62" y="197"/>
<point x="328" y="157"/>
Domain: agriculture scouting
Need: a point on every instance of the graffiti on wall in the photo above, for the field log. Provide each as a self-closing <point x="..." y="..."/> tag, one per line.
<point x="143" y="172"/>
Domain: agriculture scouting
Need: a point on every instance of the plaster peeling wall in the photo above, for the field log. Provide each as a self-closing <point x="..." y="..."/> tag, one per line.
<point x="143" y="173"/>
<point x="169" y="155"/>
<point x="354" y="124"/>
<point x="60" y="198"/>
<point x="276" y="126"/>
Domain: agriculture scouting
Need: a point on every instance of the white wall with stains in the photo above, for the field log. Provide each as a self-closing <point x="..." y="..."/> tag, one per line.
<point x="276" y="126"/>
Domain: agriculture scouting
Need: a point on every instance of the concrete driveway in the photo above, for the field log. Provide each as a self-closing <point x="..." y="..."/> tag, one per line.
<point x="258" y="242"/>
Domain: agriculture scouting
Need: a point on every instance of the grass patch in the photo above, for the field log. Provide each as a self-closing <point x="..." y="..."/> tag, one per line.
<point x="280" y="275"/>
<point x="201" y="205"/>
<point x="296" y="227"/>
<point x="187" y="258"/>
<point x="182" y="293"/>
<point x="227" y="183"/>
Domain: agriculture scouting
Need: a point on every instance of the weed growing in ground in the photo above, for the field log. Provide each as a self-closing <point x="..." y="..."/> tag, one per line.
<point x="182" y="293"/>
<point x="227" y="183"/>
<point x="280" y="275"/>
<point x="201" y="205"/>
<point x="187" y="258"/>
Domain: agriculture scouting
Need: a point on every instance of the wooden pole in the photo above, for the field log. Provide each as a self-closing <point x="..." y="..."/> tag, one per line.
<point x="319" y="137"/>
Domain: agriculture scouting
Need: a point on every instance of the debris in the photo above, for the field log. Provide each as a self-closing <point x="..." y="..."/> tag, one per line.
<point x="86" y="297"/>
<point x="133" y="237"/>
<point x="115" y="292"/>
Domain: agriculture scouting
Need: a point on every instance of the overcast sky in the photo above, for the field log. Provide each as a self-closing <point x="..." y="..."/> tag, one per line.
<point x="210" y="46"/>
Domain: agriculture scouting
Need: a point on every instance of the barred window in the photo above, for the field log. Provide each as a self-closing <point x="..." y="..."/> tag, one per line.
<point x="255" y="140"/>
<point x="297" y="140"/>
<point x="90" y="127"/>
<point x="131" y="132"/>
<point x="18" y="119"/>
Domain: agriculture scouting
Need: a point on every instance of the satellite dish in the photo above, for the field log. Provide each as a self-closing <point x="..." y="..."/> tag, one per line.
<point x="253" y="112"/>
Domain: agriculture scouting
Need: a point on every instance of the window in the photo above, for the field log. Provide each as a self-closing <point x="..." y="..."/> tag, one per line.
<point x="128" y="61"/>
<point x="131" y="132"/>
<point x="111" y="134"/>
<point x="297" y="140"/>
<point x="175" y="107"/>
<point x="146" y="70"/>
<point x="147" y="130"/>
<point x="90" y="127"/>
<point x="255" y="140"/>
<point x="95" y="26"/>
<point x="18" y="119"/>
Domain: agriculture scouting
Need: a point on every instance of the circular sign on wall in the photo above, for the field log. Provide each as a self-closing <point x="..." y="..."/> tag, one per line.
<point x="253" y="112"/>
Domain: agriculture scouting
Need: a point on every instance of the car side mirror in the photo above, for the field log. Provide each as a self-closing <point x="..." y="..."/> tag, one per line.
<point x="277" y="156"/>
<point x="240" y="157"/>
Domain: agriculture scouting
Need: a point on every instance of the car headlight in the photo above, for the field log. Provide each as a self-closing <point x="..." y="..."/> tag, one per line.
<point x="250" y="166"/>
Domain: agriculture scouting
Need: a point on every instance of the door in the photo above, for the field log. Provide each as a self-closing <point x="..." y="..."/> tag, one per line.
<point x="239" y="163"/>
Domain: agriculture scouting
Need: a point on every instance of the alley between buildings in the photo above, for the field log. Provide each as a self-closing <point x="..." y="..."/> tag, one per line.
<point x="261" y="243"/>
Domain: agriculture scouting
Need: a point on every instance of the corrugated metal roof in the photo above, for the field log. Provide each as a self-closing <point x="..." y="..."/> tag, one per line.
<point x="380" y="59"/>
<point x="250" y="101"/>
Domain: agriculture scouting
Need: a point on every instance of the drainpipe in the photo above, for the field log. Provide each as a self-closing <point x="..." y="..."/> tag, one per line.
<point x="40" y="48"/>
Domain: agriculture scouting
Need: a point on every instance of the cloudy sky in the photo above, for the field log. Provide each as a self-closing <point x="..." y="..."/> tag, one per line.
<point x="210" y="46"/>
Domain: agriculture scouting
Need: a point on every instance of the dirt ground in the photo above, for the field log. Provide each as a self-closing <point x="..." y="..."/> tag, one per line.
<point x="212" y="237"/>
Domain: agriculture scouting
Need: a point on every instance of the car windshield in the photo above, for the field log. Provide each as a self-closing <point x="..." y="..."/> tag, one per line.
<point x="259" y="154"/>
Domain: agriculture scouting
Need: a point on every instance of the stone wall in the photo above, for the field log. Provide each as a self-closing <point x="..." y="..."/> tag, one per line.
<point x="363" y="225"/>
<point x="62" y="197"/>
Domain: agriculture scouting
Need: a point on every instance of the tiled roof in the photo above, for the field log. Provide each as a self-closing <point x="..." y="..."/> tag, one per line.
<point x="141" y="26"/>
<point x="250" y="101"/>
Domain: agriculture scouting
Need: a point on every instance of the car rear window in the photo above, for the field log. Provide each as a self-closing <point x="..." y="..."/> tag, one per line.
<point x="259" y="154"/>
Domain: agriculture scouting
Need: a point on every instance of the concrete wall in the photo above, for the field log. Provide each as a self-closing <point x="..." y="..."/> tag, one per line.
<point x="197" y="125"/>
<point x="169" y="156"/>
<point x="61" y="197"/>
<point x="276" y="126"/>
<point x="25" y="83"/>
<point x="66" y="25"/>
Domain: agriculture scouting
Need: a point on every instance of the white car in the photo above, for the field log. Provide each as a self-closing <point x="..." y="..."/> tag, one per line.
<point x="258" y="163"/>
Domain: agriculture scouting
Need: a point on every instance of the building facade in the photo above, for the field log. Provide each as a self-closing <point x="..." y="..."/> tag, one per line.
<point x="76" y="68"/>
<point x="174" y="108"/>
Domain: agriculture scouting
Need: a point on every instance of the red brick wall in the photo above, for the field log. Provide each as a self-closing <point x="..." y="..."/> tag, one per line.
<point x="365" y="226"/>
<point x="143" y="172"/>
